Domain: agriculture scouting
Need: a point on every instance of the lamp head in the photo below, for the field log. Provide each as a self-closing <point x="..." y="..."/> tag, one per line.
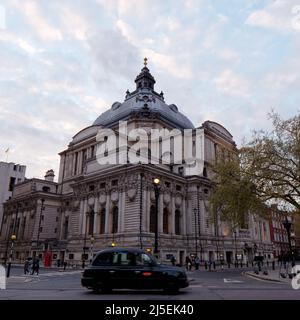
<point x="113" y="244"/>
<point x="13" y="237"/>
<point x="156" y="181"/>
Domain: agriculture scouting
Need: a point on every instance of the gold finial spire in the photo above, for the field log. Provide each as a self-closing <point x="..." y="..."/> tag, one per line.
<point x="145" y="62"/>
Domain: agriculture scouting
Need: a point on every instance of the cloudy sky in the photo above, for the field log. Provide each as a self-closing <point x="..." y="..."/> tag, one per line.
<point x="63" y="62"/>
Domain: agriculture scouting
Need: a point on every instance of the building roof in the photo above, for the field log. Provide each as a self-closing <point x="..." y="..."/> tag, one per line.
<point x="144" y="101"/>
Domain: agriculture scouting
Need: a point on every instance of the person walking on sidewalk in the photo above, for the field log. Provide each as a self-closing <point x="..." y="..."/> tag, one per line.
<point x="26" y="266"/>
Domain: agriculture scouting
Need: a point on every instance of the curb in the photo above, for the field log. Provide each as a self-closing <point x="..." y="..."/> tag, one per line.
<point x="262" y="278"/>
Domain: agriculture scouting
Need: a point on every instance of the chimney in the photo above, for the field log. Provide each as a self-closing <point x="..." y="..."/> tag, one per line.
<point x="50" y="175"/>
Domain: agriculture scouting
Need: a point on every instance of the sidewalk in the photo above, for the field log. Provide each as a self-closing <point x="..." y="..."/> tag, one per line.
<point x="273" y="275"/>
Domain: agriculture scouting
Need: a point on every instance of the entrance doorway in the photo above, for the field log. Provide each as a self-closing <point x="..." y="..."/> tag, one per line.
<point x="229" y="256"/>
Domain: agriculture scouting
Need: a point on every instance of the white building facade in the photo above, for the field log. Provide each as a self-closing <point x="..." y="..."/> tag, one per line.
<point x="10" y="175"/>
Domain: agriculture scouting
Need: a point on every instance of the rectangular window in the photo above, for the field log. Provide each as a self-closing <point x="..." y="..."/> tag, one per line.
<point x="76" y="163"/>
<point x="92" y="151"/>
<point x="102" y="185"/>
<point x="178" y="188"/>
<point x="12" y="184"/>
<point x="114" y="182"/>
<point x="71" y="256"/>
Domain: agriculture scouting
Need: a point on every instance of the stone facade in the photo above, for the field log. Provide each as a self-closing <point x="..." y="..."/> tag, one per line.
<point x="94" y="206"/>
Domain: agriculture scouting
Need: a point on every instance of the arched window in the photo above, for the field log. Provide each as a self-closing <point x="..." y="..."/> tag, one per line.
<point x="115" y="215"/>
<point x="152" y="218"/>
<point x="166" y="220"/>
<point x="102" y="221"/>
<point x="177" y="222"/>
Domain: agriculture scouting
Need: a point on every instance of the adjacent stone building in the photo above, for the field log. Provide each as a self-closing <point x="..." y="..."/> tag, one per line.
<point x="10" y="174"/>
<point x="95" y="206"/>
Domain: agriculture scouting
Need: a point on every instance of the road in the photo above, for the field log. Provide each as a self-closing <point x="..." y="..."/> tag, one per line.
<point x="220" y="285"/>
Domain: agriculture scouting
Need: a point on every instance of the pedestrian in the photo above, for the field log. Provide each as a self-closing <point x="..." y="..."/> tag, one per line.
<point x="188" y="263"/>
<point x="65" y="265"/>
<point x="197" y="262"/>
<point x="37" y="267"/>
<point x="58" y="263"/>
<point x="26" y="266"/>
<point x="33" y="266"/>
<point x="173" y="260"/>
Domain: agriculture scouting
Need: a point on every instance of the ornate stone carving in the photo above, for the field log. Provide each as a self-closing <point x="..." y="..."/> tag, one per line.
<point x="167" y="198"/>
<point x="178" y="200"/>
<point x="102" y="199"/>
<point x="114" y="196"/>
<point x="131" y="193"/>
<point x="91" y="201"/>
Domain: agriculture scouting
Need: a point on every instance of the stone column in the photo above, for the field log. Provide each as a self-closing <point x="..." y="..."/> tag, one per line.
<point x="160" y="212"/>
<point x="83" y="230"/>
<point x="107" y="213"/>
<point x="183" y="226"/>
<point x="172" y="229"/>
<point x="81" y="216"/>
<point x="146" y="210"/>
<point x="122" y="212"/>
<point x="96" y="215"/>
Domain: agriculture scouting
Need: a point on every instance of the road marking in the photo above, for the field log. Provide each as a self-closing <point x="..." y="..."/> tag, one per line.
<point x="232" y="281"/>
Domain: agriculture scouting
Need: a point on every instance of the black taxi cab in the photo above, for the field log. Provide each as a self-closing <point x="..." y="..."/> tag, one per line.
<point x="131" y="268"/>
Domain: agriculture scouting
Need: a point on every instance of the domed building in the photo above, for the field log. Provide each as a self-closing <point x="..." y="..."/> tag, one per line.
<point x="98" y="205"/>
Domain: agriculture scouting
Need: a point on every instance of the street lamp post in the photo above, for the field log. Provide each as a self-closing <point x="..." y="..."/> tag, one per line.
<point x="156" y="184"/>
<point x="287" y="225"/>
<point x="13" y="239"/>
<point x="92" y="249"/>
<point x="196" y="233"/>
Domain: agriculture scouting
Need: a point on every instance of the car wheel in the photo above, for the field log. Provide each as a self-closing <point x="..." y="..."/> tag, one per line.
<point x="96" y="289"/>
<point x="171" y="288"/>
<point x="106" y="289"/>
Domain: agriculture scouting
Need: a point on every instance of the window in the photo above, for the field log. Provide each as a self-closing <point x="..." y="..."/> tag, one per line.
<point x="115" y="215"/>
<point x="91" y="188"/>
<point x="152" y="219"/>
<point x="114" y="182"/>
<point x="42" y="218"/>
<point x="177" y="222"/>
<point x="103" y="259"/>
<point x="166" y="220"/>
<point x="102" y="185"/>
<point x="15" y="167"/>
<point x="71" y="256"/>
<point x="46" y="189"/>
<point x="178" y="188"/>
<point x="41" y="229"/>
<point x="56" y="219"/>
<point x="102" y="220"/>
<point x="180" y="170"/>
<point x="84" y="157"/>
<point x="55" y="230"/>
<point x="12" y="184"/>
<point x="92" y="151"/>
<point x="123" y="258"/>
<point x="65" y="228"/>
<point x="76" y="163"/>
<point x="205" y="191"/>
<point x="167" y="184"/>
<point x="143" y="259"/>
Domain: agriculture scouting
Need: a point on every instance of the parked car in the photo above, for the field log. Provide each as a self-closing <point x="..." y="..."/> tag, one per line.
<point x="131" y="269"/>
